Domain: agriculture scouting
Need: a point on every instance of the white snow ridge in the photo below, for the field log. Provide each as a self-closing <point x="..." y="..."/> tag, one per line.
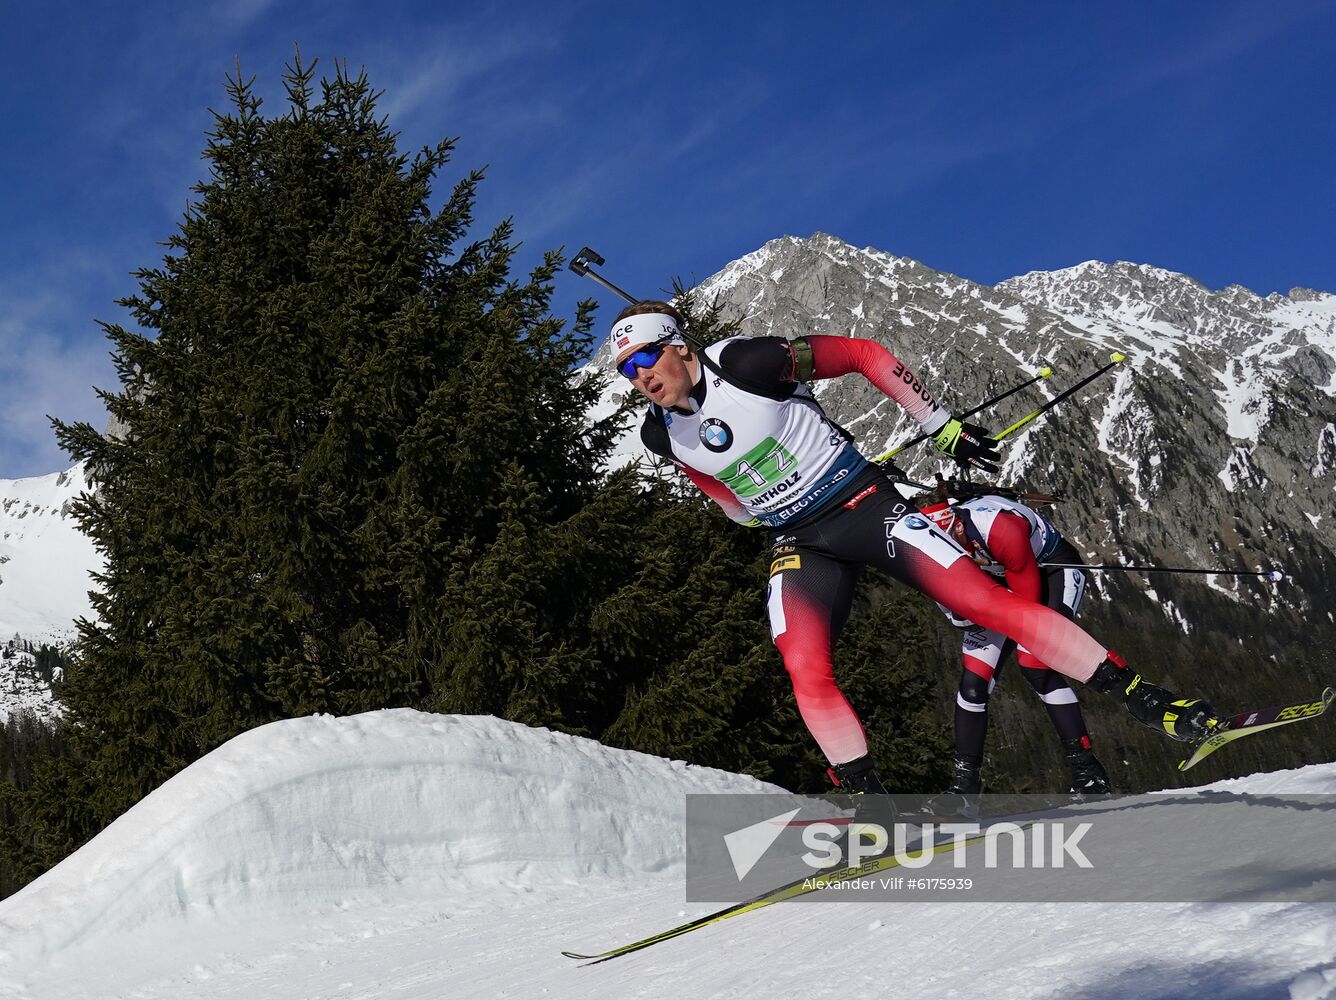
<point x="423" y="856"/>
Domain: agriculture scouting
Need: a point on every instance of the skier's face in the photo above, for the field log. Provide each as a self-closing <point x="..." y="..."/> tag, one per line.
<point x="669" y="380"/>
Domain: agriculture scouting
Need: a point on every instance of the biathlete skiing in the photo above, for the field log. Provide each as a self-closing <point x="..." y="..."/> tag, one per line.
<point x="740" y="421"/>
<point x="1008" y="539"/>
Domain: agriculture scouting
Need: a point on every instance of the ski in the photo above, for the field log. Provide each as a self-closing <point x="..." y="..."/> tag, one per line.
<point x="1258" y="721"/>
<point x="798" y="887"/>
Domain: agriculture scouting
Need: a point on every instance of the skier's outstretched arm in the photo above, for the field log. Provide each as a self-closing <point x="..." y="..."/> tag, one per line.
<point x="835" y="356"/>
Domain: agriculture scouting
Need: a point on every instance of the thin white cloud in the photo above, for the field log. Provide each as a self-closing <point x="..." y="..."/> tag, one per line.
<point x="930" y="126"/>
<point x="51" y="366"/>
<point x="1233" y="33"/>
<point x="588" y="172"/>
<point x="242" y="13"/>
<point x="465" y="69"/>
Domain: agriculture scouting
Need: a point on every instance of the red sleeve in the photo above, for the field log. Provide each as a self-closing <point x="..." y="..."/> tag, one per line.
<point x="834" y="356"/>
<point x="1009" y="542"/>
<point x="719" y="493"/>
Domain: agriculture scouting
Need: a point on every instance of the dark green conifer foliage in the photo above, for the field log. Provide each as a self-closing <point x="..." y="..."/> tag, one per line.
<point x="348" y="442"/>
<point x="32" y="834"/>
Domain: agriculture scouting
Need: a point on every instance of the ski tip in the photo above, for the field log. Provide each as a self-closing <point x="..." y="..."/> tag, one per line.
<point x="577" y="957"/>
<point x="1191" y="759"/>
<point x="1117" y="356"/>
<point x="1045" y="372"/>
<point x="1200" y="751"/>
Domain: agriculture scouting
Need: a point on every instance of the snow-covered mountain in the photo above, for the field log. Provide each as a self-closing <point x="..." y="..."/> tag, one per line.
<point x="1213" y="444"/>
<point x="45" y="561"/>
<point x="424" y="856"/>
<point x="24" y="686"/>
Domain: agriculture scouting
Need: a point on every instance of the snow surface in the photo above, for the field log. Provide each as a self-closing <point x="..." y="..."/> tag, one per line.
<point x="422" y="856"/>
<point x="45" y="560"/>
<point x="21" y="688"/>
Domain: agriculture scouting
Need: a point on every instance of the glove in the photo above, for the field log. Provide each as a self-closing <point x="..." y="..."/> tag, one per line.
<point x="968" y="444"/>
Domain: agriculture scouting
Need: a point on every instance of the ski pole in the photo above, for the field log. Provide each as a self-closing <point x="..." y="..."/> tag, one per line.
<point x="580" y="264"/>
<point x="1044" y="372"/>
<point x="1273" y="575"/>
<point x="1116" y="358"/>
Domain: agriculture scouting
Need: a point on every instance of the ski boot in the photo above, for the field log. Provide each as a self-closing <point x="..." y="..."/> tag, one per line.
<point x="1188" y="720"/>
<point x="1088" y="774"/>
<point x="871" y="802"/>
<point x="857" y="777"/>
<point x="961" y="798"/>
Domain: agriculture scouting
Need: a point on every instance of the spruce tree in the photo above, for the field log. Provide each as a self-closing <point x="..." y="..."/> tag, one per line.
<point x="336" y="416"/>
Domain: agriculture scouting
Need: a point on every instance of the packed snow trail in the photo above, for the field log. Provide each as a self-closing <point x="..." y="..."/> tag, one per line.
<point x="425" y="856"/>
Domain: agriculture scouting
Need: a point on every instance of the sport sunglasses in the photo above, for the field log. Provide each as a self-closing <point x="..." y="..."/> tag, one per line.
<point x="646" y="357"/>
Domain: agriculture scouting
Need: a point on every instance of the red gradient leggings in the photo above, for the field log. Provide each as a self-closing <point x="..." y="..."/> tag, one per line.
<point x="812" y="576"/>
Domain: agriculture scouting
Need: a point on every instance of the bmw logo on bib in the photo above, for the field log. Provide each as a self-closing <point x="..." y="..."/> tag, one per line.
<point x="716" y="435"/>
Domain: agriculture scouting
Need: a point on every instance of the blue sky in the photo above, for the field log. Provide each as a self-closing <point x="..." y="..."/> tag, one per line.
<point x="983" y="139"/>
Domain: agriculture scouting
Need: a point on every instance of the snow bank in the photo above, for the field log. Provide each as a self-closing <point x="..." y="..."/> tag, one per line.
<point x="318" y="814"/>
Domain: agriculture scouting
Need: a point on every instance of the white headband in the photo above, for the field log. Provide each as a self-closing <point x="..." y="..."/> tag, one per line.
<point x="645" y="328"/>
